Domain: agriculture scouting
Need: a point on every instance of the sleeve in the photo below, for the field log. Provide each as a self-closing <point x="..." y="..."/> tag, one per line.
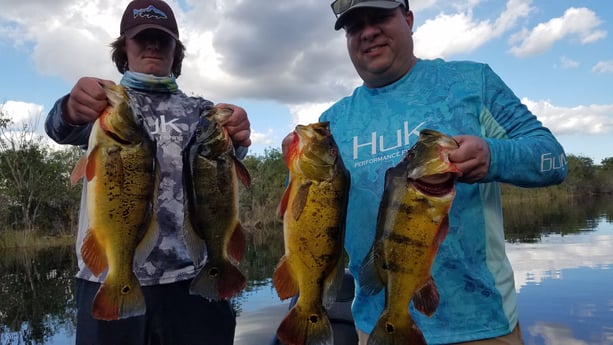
<point x="523" y="152"/>
<point x="61" y="131"/>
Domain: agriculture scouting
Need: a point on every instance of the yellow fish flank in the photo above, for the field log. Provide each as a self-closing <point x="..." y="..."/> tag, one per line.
<point x="212" y="228"/>
<point x="412" y="223"/>
<point x="313" y="208"/>
<point x="121" y="182"/>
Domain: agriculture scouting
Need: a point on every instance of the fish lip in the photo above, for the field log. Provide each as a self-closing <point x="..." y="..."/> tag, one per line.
<point x="441" y="185"/>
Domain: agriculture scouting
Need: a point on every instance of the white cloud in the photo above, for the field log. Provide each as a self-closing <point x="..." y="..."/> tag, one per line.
<point x="603" y="67"/>
<point x="579" y="23"/>
<point x="449" y="34"/>
<point x="535" y="262"/>
<point x="583" y="119"/>
<point x="305" y="114"/>
<point x="568" y="63"/>
<point x="22" y="113"/>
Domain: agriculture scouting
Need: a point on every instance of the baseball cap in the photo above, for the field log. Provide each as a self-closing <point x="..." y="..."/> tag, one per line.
<point x="342" y="7"/>
<point x="148" y="14"/>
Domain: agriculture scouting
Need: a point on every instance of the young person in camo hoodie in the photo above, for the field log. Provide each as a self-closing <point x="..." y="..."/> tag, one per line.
<point x="149" y="54"/>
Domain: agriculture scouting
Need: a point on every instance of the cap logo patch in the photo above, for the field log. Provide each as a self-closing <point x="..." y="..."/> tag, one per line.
<point x="149" y="12"/>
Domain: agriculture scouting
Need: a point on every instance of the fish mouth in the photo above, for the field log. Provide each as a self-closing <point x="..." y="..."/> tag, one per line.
<point x="437" y="185"/>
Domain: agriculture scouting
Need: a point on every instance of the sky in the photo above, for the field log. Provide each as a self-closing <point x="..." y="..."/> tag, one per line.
<point x="284" y="63"/>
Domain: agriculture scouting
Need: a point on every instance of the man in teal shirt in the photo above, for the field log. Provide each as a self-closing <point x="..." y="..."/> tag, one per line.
<point x="500" y="141"/>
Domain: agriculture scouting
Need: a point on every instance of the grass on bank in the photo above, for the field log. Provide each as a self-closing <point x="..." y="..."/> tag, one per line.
<point x="22" y="239"/>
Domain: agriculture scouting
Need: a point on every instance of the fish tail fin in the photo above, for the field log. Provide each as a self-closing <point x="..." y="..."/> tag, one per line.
<point x="391" y="330"/>
<point x="218" y="282"/>
<point x="302" y="327"/>
<point x="117" y="299"/>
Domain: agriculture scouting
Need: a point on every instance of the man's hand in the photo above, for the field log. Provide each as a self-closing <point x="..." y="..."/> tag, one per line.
<point x="86" y="101"/>
<point x="238" y="125"/>
<point x="472" y="158"/>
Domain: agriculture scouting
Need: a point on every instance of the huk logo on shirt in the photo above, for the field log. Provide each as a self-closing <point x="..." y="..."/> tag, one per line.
<point x="163" y="126"/>
<point x="375" y="147"/>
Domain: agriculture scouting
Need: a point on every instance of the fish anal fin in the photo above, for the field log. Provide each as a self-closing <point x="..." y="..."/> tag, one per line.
<point x="237" y="244"/>
<point x="426" y="299"/>
<point x="284" y="282"/>
<point x="93" y="253"/>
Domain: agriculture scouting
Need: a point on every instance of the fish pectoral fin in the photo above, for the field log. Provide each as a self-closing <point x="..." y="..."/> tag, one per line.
<point x="284" y="201"/>
<point x="237" y="243"/>
<point x="90" y="168"/>
<point x="93" y="253"/>
<point x="283" y="280"/>
<point x="369" y="278"/>
<point x="79" y="170"/>
<point x="242" y="172"/>
<point x="300" y="199"/>
<point x="426" y="299"/>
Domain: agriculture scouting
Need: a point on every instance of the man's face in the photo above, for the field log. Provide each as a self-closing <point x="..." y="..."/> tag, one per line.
<point x="151" y="51"/>
<point x="380" y="44"/>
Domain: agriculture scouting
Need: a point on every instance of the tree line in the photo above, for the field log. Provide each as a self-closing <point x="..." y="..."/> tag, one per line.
<point x="38" y="200"/>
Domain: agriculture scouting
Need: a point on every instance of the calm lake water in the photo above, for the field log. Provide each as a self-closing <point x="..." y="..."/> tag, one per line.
<point x="562" y="253"/>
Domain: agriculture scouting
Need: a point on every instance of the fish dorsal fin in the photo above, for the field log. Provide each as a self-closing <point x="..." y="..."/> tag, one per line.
<point x="237" y="243"/>
<point x="369" y="276"/>
<point x="333" y="287"/>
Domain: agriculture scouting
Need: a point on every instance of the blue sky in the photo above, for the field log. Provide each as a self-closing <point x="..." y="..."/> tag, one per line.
<point x="284" y="63"/>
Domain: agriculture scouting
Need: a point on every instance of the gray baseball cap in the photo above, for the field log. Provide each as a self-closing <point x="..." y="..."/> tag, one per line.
<point x="342" y="7"/>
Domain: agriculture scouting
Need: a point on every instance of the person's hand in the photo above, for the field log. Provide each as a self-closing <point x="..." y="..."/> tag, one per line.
<point x="238" y="125"/>
<point x="86" y="100"/>
<point x="472" y="158"/>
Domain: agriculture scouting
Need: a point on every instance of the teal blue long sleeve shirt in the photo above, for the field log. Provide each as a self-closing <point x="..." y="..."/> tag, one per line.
<point x="375" y="127"/>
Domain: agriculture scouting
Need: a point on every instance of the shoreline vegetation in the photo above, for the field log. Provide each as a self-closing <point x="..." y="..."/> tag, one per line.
<point x="40" y="207"/>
